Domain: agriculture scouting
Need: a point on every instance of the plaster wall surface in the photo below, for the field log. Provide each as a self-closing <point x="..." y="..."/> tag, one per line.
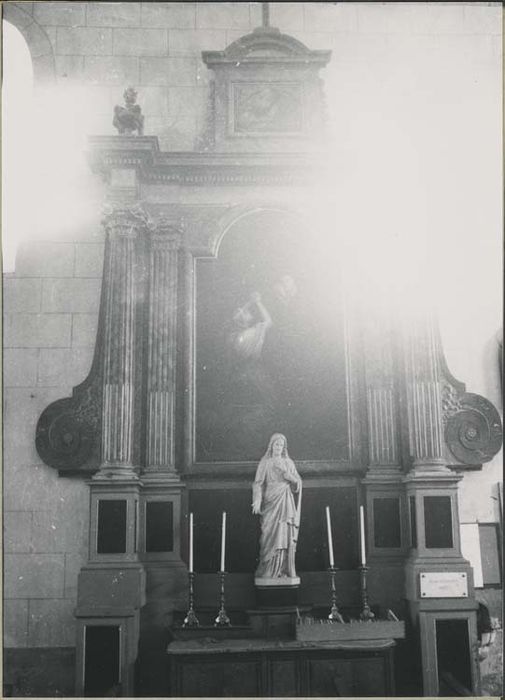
<point x="426" y="79"/>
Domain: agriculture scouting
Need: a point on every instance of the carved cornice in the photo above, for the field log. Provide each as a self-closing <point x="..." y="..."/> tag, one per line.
<point x="153" y="166"/>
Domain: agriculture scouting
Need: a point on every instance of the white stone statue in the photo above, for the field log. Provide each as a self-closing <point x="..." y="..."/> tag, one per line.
<point x="274" y="487"/>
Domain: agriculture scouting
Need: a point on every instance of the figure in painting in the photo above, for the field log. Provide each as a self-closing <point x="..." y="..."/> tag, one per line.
<point x="250" y="324"/>
<point x="250" y="384"/>
<point x="285" y="289"/>
<point x="276" y="482"/>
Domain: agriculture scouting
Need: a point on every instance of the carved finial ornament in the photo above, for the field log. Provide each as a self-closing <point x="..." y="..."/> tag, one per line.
<point x="129" y="119"/>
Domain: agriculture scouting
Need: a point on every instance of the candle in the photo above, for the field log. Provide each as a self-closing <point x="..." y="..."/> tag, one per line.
<point x="330" y="539"/>
<point x="191" y="543"/>
<point x="223" y="540"/>
<point x="362" y="534"/>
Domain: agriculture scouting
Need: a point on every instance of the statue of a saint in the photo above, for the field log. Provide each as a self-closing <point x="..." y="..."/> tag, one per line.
<point x="274" y="487"/>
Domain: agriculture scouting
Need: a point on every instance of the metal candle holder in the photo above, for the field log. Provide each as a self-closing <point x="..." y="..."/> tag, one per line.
<point x="191" y="619"/>
<point x="334" y="615"/>
<point x="366" y="613"/>
<point x="222" y="619"/>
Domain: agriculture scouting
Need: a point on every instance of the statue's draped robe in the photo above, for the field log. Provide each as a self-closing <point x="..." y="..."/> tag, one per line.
<point x="276" y="478"/>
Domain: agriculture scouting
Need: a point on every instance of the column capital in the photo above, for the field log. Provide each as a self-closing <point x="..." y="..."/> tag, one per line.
<point x="124" y="220"/>
<point x="165" y="233"/>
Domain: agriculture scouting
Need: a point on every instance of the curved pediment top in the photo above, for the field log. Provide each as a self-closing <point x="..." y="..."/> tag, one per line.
<point x="266" y="45"/>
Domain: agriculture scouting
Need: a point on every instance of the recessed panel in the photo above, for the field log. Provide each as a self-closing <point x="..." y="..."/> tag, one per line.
<point x="111" y="532"/>
<point x="438" y="522"/>
<point x="159" y="526"/>
<point x="453" y="658"/>
<point x="331" y="677"/>
<point x="237" y="676"/>
<point x="413" y="522"/>
<point x="387" y="528"/>
<point x="101" y="661"/>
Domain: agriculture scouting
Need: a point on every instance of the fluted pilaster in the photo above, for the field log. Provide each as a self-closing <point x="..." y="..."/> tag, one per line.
<point x="123" y="226"/>
<point x="381" y="396"/>
<point x="424" y="400"/>
<point x="164" y="243"/>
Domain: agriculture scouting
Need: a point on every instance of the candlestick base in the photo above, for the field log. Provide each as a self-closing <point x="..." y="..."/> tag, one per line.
<point x="191" y="619"/>
<point x="366" y="614"/>
<point x="334" y="615"/>
<point x="222" y="619"/>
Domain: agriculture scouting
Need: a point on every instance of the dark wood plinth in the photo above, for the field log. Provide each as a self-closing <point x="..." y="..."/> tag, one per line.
<point x="277" y="668"/>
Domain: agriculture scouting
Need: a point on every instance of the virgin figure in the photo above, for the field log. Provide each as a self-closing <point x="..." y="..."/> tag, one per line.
<point x="276" y="483"/>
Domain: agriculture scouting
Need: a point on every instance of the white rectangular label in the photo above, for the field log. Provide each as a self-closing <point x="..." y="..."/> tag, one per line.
<point x="444" y="584"/>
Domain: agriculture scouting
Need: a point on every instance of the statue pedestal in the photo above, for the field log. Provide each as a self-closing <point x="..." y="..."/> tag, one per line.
<point x="277" y="592"/>
<point x="284" y="582"/>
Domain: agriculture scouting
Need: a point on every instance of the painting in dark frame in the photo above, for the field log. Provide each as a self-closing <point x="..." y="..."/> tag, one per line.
<point x="270" y="345"/>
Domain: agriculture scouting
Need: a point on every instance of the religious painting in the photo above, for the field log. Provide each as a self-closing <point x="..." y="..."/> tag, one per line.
<point x="269" y="345"/>
<point x="268" y="107"/>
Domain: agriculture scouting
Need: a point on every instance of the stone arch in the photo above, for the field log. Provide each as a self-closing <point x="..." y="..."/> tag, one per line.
<point x="240" y="212"/>
<point x="38" y="42"/>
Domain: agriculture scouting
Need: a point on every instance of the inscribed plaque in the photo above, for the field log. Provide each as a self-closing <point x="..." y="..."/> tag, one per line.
<point x="444" y="584"/>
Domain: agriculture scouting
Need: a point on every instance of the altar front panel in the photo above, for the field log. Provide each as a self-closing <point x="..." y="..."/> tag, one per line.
<point x="253" y="668"/>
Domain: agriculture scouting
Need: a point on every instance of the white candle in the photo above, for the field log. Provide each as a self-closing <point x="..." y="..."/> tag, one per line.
<point x="223" y="540"/>
<point x="191" y="543"/>
<point x="362" y="534"/>
<point x="330" y="539"/>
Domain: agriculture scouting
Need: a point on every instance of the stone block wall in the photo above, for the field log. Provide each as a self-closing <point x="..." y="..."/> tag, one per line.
<point x="157" y="47"/>
<point x="50" y="319"/>
<point x="387" y="61"/>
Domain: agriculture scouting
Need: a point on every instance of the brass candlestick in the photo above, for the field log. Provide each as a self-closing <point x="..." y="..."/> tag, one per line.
<point x="191" y="619"/>
<point x="334" y="615"/>
<point x="366" y="613"/>
<point x="222" y="619"/>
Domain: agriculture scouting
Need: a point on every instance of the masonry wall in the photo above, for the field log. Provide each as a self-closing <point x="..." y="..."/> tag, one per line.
<point x="385" y="66"/>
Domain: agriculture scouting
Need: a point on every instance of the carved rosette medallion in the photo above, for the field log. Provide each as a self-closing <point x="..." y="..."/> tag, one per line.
<point x="66" y="435"/>
<point x="473" y="431"/>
